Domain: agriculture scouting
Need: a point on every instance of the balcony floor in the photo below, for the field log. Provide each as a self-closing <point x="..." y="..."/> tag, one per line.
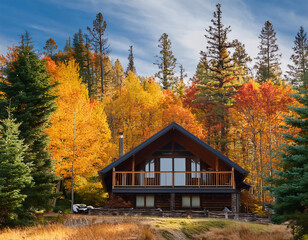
<point x="167" y="189"/>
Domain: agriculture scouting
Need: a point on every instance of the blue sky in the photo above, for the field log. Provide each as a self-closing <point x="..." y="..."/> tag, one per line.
<point x="141" y="22"/>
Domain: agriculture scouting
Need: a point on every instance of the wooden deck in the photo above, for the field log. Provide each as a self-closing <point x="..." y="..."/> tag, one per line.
<point x="173" y="179"/>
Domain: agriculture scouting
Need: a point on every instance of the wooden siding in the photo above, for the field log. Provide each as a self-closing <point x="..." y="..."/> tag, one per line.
<point x="211" y="202"/>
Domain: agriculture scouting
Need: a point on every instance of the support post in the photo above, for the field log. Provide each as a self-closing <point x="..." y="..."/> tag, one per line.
<point x="113" y="178"/>
<point x="172" y="201"/>
<point x="235" y="202"/>
<point x="232" y="179"/>
<point x="133" y="171"/>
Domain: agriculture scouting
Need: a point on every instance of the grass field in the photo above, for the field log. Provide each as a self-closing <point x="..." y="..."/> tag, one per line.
<point x="148" y="228"/>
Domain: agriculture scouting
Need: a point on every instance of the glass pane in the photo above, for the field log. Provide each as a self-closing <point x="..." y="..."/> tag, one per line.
<point x="166" y="165"/>
<point x="195" y="167"/>
<point x="150" y="167"/>
<point x="185" y="201"/>
<point x="179" y="165"/>
<point x="139" y="201"/>
<point x="149" y="201"/>
<point x="195" y="201"/>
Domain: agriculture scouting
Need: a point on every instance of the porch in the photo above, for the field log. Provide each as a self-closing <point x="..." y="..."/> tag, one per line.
<point x="173" y="179"/>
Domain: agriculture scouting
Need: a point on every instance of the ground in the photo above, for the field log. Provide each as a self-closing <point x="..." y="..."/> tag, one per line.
<point x="83" y="227"/>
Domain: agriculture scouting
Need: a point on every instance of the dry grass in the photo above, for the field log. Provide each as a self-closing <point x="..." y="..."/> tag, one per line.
<point x="245" y="232"/>
<point x="95" y="232"/>
<point x="117" y="227"/>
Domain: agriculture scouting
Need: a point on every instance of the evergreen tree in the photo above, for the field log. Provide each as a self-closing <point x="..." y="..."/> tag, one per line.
<point x="99" y="42"/>
<point x="218" y="83"/>
<point x="28" y="89"/>
<point x="68" y="49"/>
<point x="290" y="185"/>
<point x="131" y="64"/>
<point x="14" y="172"/>
<point x="50" y="48"/>
<point x="80" y="54"/>
<point x="299" y="69"/>
<point x="241" y="59"/>
<point x="89" y="67"/>
<point x="166" y="63"/>
<point x="267" y="65"/>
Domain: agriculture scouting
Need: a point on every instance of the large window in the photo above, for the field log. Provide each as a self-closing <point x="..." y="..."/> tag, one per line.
<point x="191" y="201"/>
<point x="150" y="168"/>
<point x="145" y="201"/>
<point x="195" y="167"/>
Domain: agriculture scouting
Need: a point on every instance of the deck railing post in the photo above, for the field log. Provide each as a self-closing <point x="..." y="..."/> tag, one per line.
<point x="233" y="180"/>
<point x="113" y="177"/>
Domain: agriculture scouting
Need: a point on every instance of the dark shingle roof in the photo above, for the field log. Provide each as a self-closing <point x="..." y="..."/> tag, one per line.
<point x="161" y="133"/>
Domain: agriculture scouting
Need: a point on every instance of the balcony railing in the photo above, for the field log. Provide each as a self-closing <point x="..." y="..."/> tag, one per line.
<point x="173" y="179"/>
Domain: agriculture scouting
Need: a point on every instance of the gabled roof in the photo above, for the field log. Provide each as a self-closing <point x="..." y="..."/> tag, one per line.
<point x="161" y="133"/>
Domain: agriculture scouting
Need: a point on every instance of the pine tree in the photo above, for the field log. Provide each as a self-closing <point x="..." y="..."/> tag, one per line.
<point x="290" y="185"/>
<point x="219" y="83"/>
<point x="241" y="59"/>
<point x="14" y="172"/>
<point x="166" y="63"/>
<point x="131" y="64"/>
<point x="80" y="54"/>
<point x="31" y="95"/>
<point x="50" y="48"/>
<point x="267" y="65"/>
<point x="299" y="69"/>
<point x="99" y="42"/>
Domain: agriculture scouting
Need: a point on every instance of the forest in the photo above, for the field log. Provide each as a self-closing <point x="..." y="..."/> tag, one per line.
<point x="65" y="106"/>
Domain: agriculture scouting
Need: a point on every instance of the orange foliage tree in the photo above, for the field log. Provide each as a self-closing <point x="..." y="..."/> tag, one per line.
<point x="79" y="127"/>
<point x="257" y="116"/>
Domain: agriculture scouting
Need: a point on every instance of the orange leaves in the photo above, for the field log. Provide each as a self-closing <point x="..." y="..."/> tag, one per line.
<point x="77" y="112"/>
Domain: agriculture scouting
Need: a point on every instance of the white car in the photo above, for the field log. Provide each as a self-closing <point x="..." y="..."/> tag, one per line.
<point x="80" y="208"/>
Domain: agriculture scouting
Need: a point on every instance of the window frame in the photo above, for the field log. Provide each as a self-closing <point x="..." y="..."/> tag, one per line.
<point x="145" y="201"/>
<point x="191" y="201"/>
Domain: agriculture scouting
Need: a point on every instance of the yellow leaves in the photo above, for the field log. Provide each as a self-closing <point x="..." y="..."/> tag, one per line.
<point x="76" y="113"/>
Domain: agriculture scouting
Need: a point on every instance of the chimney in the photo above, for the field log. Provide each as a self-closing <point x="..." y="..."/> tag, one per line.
<point x="121" y="145"/>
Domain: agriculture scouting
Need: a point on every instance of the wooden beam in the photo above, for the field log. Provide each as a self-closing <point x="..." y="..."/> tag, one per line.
<point x="216" y="164"/>
<point x="233" y="180"/>
<point x="113" y="177"/>
<point x="133" y="170"/>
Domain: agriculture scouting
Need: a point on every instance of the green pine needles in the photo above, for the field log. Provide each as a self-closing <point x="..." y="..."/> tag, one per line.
<point x="290" y="185"/>
<point x="28" y="90"/>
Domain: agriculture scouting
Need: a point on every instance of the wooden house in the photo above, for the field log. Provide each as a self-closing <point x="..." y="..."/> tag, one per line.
<point x="173" y="170"/>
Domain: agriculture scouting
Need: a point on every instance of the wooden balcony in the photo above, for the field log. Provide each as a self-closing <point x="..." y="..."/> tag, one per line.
<point x="173" y="179"/>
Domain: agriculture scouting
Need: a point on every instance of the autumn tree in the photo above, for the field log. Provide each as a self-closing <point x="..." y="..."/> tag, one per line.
<point x="50" y="47"/>
<point x="257" y="116"/>
<point x="131" y="64"/>
<point x="219" y="83"/>
<point x="99" y="42"/>
<point x="27" y="88"/>
<point x="14" y="172"/>
<point x="166" y="63"/>
<point x="267" y="65"/>
<point x="299" y="68"/>
<point x="92" y="134"/>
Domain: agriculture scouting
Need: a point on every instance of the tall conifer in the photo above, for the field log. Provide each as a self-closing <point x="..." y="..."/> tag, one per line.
<point x="131" y="64"/>
<point x="166" y="63"/>
<point x="299" y="69"/>
<point x="219" y="79"/>
<point x="28" y="89"/>
<point x="267" y="65"/>
<point x="14" y="172"/>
